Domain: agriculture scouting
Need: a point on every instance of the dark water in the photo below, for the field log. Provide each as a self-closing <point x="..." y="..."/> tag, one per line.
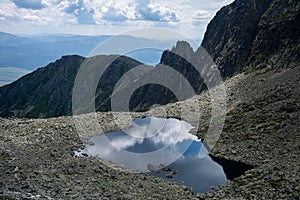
<point x="163" y="148"/>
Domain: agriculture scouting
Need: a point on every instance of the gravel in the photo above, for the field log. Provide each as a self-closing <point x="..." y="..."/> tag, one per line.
<point x="261" y="128"/>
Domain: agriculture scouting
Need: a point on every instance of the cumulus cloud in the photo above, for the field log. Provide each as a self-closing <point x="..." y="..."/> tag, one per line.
<point x="113" y="14"/>
<point x="181" y="15"/>
<point x="132" y="11"/>
<point x="85" y="17"/>
<point x="83" y="14"/>
<point x="151" y="11"/>
<point x="30" y="18"/>
<point x="112" y="11"/>
<point x="201" y="17"/>
<point x="30" y="4"/>
<point x="6" y="10"/>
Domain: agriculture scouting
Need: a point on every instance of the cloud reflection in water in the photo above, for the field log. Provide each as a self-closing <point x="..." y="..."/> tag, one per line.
<point x="159" y="141"/>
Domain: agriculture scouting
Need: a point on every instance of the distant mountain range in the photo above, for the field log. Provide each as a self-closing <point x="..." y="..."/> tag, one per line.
<point x="31" y="52"/>
<point x="10" y="74"/>
<point x="26" y="53"/>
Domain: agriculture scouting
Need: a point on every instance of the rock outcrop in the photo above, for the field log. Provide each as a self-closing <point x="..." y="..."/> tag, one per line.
<point x="182" y="58"/>
<point x="254" y="34"/>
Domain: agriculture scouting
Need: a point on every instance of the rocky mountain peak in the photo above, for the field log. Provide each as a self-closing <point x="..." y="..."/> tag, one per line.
<point x="183" y="49"/>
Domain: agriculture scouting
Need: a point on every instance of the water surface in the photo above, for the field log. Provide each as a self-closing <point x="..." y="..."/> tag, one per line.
<point x="162" y="147"/>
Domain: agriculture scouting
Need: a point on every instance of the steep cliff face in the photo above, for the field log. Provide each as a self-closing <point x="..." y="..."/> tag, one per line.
<point x="254" y="33"/>
<point x="278" y="38"/>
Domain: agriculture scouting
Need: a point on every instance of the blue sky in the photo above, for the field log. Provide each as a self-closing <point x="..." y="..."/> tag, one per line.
<point x="97" y="17"/>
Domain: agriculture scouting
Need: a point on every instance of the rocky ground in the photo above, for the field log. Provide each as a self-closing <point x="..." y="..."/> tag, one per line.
<point x="261" y="128"/>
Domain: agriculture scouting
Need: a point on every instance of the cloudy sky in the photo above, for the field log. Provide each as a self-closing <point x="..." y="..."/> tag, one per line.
<point x="96" y="17"/>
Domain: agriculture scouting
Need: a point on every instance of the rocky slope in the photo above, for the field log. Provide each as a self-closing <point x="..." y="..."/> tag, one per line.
<point x="261" y="126"/>
<point x="254" y="34"/>
<point x="47" y="92"/>
<point x="261" y="129"/>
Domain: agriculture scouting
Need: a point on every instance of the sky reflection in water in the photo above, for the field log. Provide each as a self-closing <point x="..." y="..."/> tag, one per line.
<point x="157" y="141"/>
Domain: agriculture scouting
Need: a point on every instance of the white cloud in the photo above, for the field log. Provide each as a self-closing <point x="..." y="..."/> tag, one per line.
<point x="201" y="17"/>
<point x="30" y="18"/>
<point x="170" y="139"/>
<point x="154" y="11"/>
<point x="166" y="131"/>
<point x="113" y="14"/>
<point x="78" y="9"/>
<point x="181" y="15"/>
<point x="30" y="4"/>
<point x="6" y="9"/>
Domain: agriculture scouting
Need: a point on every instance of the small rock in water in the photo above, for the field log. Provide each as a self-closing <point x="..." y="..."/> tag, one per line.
<point x="166" y="169"/>
<point x="161" y="166"/>
<point x="91" y="143"/>
<point x="151" y="168"/>
<point x="169" y="176"/>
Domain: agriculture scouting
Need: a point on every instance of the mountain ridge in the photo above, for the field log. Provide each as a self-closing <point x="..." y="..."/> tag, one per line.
<point x="45" y="49"/>
<point x="47" y="92"/>
<point x="235" y="47"/>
